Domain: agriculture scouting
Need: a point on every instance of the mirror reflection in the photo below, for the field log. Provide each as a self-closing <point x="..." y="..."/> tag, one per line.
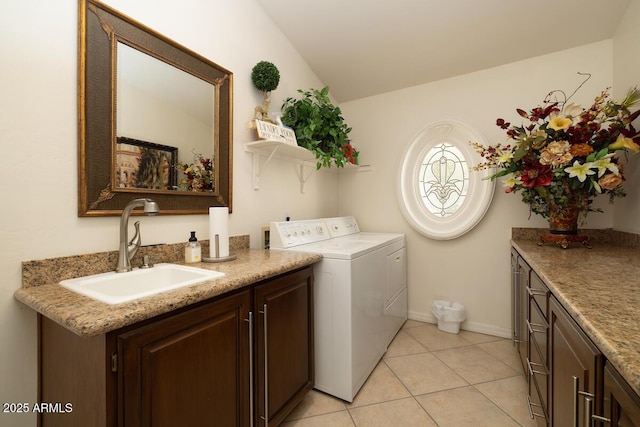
<point x="155" y="119"/>
<point x="164" y="117"/>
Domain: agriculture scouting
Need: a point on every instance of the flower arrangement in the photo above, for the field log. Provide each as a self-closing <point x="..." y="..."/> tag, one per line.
<point x="566" y="155"/>
<point x="199" y="175"/>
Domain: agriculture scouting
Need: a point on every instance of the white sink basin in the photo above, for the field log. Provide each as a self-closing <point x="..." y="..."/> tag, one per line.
<point x="115" y="288"/>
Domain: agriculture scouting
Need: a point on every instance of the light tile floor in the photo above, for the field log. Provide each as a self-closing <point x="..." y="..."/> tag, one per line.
<point x="430" y="378"/>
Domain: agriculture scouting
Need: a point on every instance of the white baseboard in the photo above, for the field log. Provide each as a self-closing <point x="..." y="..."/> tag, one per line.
<point x="467" y="325"/>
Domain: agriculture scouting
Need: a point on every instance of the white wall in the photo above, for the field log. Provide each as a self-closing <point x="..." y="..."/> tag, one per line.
<point x="38" y="130"/>
<point x="474" y="268"/>
<point x="626" y="72"/>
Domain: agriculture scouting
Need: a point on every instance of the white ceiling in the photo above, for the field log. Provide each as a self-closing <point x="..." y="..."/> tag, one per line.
<point x="361" y="48"/>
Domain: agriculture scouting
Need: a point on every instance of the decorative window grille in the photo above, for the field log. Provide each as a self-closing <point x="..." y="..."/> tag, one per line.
<point x="444" y="180"/>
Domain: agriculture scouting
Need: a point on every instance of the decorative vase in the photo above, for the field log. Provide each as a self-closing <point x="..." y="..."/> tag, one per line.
<point x="563" y="227"/>
<point x="563" y="221"/>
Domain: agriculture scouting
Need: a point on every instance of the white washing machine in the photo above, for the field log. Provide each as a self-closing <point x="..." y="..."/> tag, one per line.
<point x="360" y="296"/>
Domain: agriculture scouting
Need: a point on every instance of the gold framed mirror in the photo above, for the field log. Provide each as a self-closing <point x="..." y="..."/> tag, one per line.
<point x="149" y="109"/>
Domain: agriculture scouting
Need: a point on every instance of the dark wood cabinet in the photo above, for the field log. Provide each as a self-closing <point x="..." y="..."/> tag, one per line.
<point x="188" y="369"/>
<point x="570" y="383"/>
<point x="219" y="362"/>
<point x="284" y="341"/>
<point x="538" y="366"/>
<point x="621" y="403"/>
<point x="576" y="367"/>
<point x="515" y="298"/>
<point x="520" y="284"/>
<point x="538" y="348"/>
<point x="530" y="299"/>
<point x="77" y="371"/>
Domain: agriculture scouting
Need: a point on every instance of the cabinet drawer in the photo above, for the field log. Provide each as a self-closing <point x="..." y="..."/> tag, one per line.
<point x="540" y="293"/>
<point x="536" y="410"/>
<point x="538" y="378"/>
<point x="538" y="331"/>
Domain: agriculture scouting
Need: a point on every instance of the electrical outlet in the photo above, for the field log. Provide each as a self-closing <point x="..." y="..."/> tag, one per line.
<point x="265" y="237"/>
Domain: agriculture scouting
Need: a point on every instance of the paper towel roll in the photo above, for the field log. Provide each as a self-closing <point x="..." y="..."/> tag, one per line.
<point x="219" y="224"/>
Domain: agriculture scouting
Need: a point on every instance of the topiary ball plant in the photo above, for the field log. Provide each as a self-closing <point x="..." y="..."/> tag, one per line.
<point x="265" y="77"/>
<point x="319" y="126"/>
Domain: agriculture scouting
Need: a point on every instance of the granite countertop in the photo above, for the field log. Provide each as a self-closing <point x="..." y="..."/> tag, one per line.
<point x="87" y="317"/>
<point x="600" y="288"/>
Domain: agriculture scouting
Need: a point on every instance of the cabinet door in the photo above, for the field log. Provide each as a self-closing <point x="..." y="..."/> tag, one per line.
<point x="515" y="298"/>
<point x="538" y="363"/>
<point x="284" y="344"/>
<point x="576" y="366"/>
<point x="524" y="272"/>
<point x="191" y="369"/>
<point x="621" y="403"/>
<point x="537" y="329"/>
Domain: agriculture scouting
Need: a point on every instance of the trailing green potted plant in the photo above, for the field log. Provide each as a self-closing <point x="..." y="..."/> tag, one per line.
<point x="265" y="77"/>
<point x="319" y="127"/>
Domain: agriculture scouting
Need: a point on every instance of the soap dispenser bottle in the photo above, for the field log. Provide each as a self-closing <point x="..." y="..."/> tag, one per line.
<point x="193" y="251"/>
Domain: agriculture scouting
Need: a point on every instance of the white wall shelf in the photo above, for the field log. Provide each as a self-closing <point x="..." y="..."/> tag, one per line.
<point x="291" y="153"/>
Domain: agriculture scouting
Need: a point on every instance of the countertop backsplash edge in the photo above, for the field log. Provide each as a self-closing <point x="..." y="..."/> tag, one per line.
<point x="595" y="235"/>
<point x="45" y="271"/>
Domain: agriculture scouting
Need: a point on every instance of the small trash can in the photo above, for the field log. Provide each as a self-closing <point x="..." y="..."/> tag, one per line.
<point x="449" y="315"/>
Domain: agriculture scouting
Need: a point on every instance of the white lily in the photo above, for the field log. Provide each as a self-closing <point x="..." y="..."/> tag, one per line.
<point x="580" y="171"/>
<point x="605" y="164"/>
<point x="572" y="110"/>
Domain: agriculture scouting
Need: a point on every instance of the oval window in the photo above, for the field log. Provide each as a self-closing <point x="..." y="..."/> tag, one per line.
<point x="438" y="194"/>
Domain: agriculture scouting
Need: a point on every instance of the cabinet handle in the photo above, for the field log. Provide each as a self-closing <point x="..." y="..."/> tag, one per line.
<point x="534" y="292"/>
<point x="577" y="393"/>
<point x="251" y="404"/>
<point x="532" y="327"/>
<point x="588" y="409"/>
<point x="266" y="368"/>
<point x="602" y="419"/>
<point x="532" y="371"/>
<point x="575" y="400"/>
<point x="530" y="405"/>
<point x="514" y="301"/>
<point x="589" y="417"/>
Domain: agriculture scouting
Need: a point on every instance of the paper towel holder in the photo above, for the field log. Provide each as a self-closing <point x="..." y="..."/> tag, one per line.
<point x="216" y="252"/>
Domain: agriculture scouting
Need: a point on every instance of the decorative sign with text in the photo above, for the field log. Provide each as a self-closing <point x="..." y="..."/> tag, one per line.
<point x="274" y="132"/>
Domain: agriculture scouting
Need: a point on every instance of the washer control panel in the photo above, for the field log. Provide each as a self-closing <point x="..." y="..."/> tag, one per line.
<point x="287" y="234"/>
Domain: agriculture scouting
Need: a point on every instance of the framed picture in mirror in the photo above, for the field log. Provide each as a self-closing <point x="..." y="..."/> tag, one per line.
<point x="142" y="164"/>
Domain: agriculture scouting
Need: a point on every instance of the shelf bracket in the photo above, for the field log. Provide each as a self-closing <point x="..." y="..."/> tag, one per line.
<point x="257" y="170"/>
<point x="301" y="176"/>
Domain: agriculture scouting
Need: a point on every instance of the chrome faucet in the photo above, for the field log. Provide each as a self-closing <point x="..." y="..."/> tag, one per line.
<point x="126" y="251"/>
